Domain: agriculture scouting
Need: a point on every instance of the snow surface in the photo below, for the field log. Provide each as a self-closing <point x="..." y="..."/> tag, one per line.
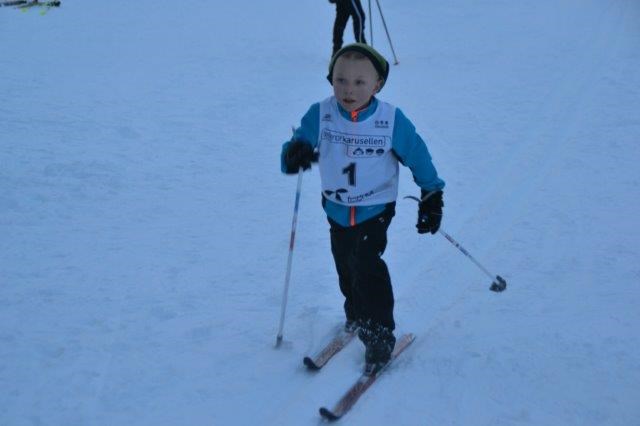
<point x="145" y="223"/>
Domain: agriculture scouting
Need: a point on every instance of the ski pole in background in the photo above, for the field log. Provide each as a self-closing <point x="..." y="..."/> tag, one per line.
<point x="395" y="59"/>
<point x="498" y="284"/>
<point x="370" y="25"/>
<point x="290" y="258"/>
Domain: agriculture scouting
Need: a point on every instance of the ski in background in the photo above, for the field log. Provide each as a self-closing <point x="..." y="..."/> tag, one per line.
<point x="25" y="5"/>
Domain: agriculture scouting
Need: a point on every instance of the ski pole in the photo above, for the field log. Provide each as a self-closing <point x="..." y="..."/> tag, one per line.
<point x="387" y="31"/>
<point x="290" y="258"/>
<point x="498" y="284"/>
<point x="370" y="25"/>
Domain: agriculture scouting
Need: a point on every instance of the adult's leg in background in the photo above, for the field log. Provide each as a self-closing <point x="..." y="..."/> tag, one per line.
<point x="343" y="10"/>
<point x="358" y="17"/>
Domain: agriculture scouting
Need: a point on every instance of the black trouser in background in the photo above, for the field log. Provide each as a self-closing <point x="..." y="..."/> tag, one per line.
<point x="344" y="9"/>
<point x="363" y="275"/>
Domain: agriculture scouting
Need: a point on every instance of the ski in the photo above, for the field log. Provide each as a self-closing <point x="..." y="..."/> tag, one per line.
<point x="25" y="4"/>
<point x="47" y="4"/>
<point x="363" y="383"/>
<point x="336" y="344"/>
<point x="43" y="7"/>
<point x="12" y="3"/>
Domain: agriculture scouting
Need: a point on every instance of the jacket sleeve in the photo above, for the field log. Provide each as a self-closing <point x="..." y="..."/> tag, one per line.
<point x="412" y="152"/>
<point x="307" y="132"/>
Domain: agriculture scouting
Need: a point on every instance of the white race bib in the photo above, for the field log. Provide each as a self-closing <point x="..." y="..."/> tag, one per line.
<point x="357" y="166"/>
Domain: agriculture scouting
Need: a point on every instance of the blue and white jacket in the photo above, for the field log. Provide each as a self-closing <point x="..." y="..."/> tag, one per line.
<point x="358" y="157"/>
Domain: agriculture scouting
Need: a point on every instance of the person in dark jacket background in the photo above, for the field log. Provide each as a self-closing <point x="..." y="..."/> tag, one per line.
<point x="344" y="9"/>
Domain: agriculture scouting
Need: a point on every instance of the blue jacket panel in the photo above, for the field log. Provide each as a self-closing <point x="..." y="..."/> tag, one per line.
<point x="408" y="146"/>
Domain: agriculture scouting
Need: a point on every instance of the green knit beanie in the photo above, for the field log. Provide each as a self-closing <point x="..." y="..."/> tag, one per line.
<point x="379" y="62"/>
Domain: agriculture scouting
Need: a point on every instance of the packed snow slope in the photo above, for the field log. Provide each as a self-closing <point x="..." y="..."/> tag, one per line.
<point x="145" y="223"/>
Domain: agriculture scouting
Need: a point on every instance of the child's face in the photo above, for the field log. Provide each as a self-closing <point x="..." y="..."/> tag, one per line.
<point x="355" y="81"/>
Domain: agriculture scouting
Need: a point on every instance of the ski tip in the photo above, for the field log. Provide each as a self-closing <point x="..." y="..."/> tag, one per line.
<point x="310" y="364"/>
<point x="328" y="414"/>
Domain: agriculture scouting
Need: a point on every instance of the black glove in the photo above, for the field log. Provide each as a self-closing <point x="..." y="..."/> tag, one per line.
<point x="430" y="212"/>
<point x="299" y="154"/>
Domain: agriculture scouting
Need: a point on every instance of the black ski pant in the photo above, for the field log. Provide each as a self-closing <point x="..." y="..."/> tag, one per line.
<point x="344" y="9"/>
<point x="363" y="275"/>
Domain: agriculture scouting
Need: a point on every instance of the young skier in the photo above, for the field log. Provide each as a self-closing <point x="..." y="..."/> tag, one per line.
<point x="358" y="142"/>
